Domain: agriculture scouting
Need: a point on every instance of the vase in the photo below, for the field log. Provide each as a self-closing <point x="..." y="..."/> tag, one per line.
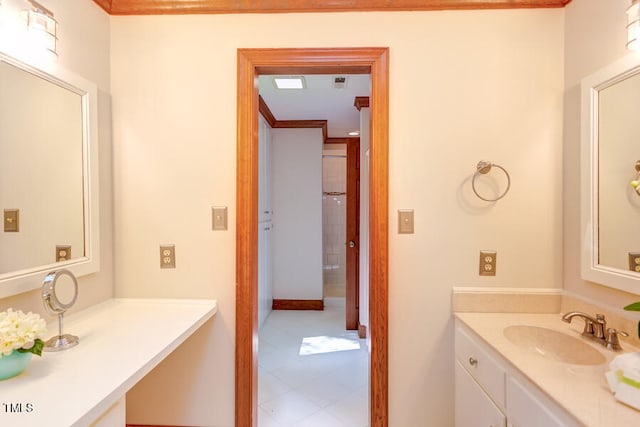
<point x="13" y="364"/>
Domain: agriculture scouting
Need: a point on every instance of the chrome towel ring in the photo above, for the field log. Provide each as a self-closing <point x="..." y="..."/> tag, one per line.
<point x="635" y="182"/>
<point x="483" y="168"/>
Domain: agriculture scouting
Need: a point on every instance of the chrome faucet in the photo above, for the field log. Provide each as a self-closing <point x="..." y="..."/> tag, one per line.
<point x="594" y="328"/>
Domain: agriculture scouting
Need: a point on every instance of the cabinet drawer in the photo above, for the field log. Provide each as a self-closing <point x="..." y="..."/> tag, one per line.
<point x="476" y="360"/>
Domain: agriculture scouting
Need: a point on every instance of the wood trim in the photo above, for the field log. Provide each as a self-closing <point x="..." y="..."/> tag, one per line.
<point x="250" y="62"/>
<point x="347" y="140"/>
<point x="361" y="102"/>
<point x="246" y="362"/>
<point x="298" y="304"/>
<point x="266" y="112"/>
<point x="174" y="7"/>
<point x="104" y="4"/>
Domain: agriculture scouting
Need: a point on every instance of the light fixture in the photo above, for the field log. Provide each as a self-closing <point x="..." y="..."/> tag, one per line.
<point x="289" y="82"/>
<point x="42" y="26"/>
<point x="633" y="25"/>
<point x="354" y="133"/>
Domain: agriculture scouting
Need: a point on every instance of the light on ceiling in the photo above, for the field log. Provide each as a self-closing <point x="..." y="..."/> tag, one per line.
<point x="354" y="133"/>
<point x="633" y="25"/>
<point x="290" y="82"/>
<point x="42" y="26"/>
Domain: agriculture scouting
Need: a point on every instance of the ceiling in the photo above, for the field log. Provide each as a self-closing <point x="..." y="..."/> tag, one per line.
<point x="159" y="7"/>
<point x="319" y="101"/>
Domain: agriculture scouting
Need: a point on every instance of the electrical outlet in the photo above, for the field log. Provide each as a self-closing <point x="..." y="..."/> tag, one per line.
<point x="167" y="256"/>
<point x="488" y="263"/>
<point x="63" y="253"/>
<point x="634" y="261"/>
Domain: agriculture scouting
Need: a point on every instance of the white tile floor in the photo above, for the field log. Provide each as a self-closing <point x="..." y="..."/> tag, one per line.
<point x="317" y="390"/>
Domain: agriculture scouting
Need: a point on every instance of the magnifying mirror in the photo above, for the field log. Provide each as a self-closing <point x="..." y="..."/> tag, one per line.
<point x="59" y="293"/>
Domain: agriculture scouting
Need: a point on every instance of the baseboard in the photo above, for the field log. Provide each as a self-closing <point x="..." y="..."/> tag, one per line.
<point x="298" y="304"/>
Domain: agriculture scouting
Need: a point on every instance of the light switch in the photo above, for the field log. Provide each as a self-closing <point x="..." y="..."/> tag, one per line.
<point x="219" y="217"/>
<point x="405" y="221"/>
<point x="11" y="220"/>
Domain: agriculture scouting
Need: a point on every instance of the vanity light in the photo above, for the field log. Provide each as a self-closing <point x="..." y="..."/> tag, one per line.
<point x="633" y="25"/>
<point x="42" y="25"/>
<point x="354" y="133"/>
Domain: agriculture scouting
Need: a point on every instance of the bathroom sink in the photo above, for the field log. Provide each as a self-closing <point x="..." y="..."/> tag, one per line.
<point x="554" y="345"/>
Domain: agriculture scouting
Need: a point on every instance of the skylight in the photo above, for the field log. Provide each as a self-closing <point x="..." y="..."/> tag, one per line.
<point x="289" y="82"/>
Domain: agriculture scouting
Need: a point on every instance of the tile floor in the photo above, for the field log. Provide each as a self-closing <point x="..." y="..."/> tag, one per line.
<point x="319" y="389"/>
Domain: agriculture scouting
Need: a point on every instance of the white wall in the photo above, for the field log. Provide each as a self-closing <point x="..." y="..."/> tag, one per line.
<point x="297" y="213"/>
<point x="84" y="49"/>
<point x="265" y="223"/>
<point x="464" y="86"/>
<point x="595" y="37"/>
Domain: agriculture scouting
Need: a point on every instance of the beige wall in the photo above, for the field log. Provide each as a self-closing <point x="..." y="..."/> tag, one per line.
<point x="595" y="37"/>
<point x="464" y="86"/>
<point x="83" y="49"/>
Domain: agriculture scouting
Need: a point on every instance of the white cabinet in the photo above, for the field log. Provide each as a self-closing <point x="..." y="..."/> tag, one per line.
<point x="489" y="391"/>
<point x="264" y="171"/>
<point x="265" y="284"/>
<point x="474" y="408"/>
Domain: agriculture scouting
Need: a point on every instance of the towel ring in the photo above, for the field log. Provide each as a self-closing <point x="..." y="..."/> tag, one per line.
<point x="635" y="182"/>
<point x="483" y="168"/>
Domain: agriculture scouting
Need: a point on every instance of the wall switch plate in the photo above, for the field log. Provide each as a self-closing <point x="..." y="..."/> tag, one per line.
<point x="634" y="261"/>
<point x="219" y="218"/>
<point x="167" y="256"/>
<point x="11" y="220"/>
<point x="405" y="221"/>
<point x="488" y="263"/>
<point x="63" y="253"/>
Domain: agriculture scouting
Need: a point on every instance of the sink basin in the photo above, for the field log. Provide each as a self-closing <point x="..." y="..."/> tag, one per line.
<point x="554" y="345"/>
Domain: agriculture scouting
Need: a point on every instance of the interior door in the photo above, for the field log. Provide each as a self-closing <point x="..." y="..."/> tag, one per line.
<point x="353" y="234"/>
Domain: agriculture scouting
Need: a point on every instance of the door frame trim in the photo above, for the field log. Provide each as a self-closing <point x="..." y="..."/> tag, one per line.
<point x="251" y="63"/>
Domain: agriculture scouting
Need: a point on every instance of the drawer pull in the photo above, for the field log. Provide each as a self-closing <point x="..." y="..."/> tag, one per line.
<point x="472" y="361"/>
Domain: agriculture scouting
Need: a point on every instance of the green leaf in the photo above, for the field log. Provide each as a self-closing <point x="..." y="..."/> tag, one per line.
<point x="38" y="346"/>
<point x="633" y="307"/>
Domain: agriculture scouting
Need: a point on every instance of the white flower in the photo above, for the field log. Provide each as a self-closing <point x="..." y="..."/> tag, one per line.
<point x="19" y="330"/>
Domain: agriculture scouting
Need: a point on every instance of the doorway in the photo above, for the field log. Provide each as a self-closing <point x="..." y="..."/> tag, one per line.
<point x="251" y="63"/>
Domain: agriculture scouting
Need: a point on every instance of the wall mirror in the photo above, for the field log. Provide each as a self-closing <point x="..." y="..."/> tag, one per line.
<point x="610" y="152"/>
<point x="48" y="175"/>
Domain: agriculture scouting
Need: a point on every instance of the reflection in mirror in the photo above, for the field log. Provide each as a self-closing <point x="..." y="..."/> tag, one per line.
<point x="48" y="175"/>
<point x="610" y="151"/>
<point x="618" y="151"/>
<point x="40" y="169"/>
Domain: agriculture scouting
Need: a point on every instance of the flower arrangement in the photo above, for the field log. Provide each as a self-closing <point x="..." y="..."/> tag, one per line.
<point x="21" y="332"/>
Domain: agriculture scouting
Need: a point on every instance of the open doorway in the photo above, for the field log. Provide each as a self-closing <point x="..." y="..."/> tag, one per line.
<point x="252" y="63"/>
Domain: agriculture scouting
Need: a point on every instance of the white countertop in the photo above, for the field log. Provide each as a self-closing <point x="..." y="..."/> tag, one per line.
<point x="121" y="340"/>
<point x="581" y="390"/>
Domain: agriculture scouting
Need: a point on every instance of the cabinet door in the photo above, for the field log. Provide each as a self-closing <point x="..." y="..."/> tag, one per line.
<point x="525" y="410"/>
<point x="264" y="171"/>
<point x="473" y="407"/>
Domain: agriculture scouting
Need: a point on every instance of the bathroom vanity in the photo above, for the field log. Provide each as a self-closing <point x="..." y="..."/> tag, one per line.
<point x="502" y="382"/>
<point x="121" y="340"/>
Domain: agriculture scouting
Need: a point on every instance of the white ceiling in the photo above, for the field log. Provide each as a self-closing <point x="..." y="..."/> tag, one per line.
<point x="319" y="101"/>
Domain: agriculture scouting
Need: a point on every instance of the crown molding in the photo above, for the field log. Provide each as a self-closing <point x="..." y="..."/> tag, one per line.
<point x="181" y="7"/>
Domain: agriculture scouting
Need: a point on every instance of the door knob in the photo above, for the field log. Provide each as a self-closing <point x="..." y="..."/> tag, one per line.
<point x="352" y="244"/>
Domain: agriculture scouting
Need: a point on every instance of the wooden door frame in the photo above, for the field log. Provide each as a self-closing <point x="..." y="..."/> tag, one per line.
<point x="251" y="63"/>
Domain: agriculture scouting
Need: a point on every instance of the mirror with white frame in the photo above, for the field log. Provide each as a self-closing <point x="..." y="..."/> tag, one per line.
<point x="48" y="175"/>
<point x="610" y="151"/>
